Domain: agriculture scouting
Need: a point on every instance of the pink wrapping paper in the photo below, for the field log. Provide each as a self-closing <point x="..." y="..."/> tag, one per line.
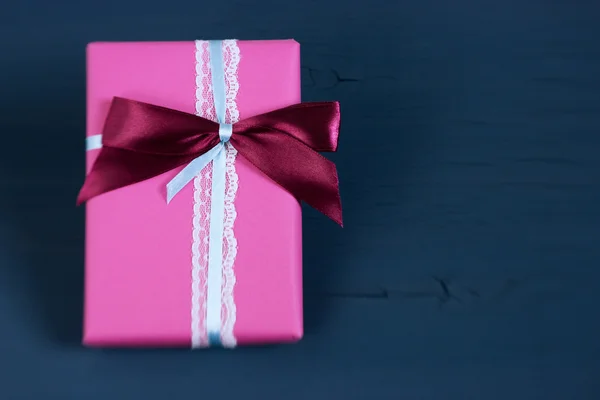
<point x="138" y="265"/>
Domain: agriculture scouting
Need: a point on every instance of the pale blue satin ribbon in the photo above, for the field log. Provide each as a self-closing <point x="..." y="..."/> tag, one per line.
<point x="217" y="201"/>
<point x="93" y="142"/>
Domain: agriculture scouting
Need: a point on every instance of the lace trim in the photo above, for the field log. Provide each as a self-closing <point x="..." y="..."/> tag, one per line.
<point x="228" y="311"/>
<point x="201" y="224"/>
<point x="231" y="55"/>
<point x="202" y="184"/>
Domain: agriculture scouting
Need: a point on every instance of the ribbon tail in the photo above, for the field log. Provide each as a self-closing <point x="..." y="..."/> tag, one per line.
<point x="190" y="171"/>
<point x="299" y="169"/>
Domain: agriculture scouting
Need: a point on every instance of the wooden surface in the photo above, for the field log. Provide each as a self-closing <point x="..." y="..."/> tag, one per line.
<point x="469" y="265"/>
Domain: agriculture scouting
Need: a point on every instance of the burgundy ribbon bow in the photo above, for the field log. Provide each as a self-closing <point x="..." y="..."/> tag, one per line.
<point x="142" y="140"/>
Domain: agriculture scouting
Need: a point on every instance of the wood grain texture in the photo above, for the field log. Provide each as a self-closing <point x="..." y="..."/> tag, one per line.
<point x="469" y="265"/>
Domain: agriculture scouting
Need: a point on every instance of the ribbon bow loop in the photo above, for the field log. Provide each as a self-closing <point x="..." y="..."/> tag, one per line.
<point x="142" y="140"/>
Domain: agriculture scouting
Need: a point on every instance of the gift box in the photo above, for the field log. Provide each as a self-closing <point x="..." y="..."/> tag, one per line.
<point x="154" y="273"/>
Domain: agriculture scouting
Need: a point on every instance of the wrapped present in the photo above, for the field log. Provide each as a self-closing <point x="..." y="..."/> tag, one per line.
<point x="198" y="155"/>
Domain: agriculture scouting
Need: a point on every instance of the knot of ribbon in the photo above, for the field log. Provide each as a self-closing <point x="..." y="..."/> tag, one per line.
<point x="141" y="141"/>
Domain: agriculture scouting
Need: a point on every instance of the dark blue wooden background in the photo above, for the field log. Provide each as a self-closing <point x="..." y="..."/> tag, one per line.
<point x="469" y="267"/>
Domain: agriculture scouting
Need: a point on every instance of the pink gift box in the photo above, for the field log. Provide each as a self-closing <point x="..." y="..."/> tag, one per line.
<point x="145" y="265"/>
